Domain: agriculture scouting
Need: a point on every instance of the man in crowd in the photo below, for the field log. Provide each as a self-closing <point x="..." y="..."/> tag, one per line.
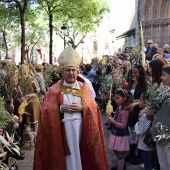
<point x="45" y="65"/>
<point x="151" y="50"/>
<point x="70" y="135"/>
<point x="166" y="54"/>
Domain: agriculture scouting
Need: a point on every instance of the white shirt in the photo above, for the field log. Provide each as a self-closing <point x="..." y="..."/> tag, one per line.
<point x="141" y="128"/>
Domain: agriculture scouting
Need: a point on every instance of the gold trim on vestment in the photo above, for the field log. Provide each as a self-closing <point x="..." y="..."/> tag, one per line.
<point x="79" y="93"/>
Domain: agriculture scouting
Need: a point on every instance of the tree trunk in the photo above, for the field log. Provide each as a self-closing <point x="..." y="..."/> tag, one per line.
<point x="51" y="38"/>
<point x="22" y="38"/>
<point x="6" y="46"/>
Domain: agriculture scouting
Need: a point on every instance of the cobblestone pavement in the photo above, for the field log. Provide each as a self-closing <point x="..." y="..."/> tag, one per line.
<point x="27" y="163"/>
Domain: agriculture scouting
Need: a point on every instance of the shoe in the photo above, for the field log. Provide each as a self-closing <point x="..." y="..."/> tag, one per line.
<point x="114" y="168"/>
<point x="142" y="166"/>
<point x="136" y="161"/>
<point x="18" y="157"/>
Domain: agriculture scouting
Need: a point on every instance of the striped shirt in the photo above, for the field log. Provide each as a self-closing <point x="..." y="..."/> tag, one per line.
<point x="141" y="128"/>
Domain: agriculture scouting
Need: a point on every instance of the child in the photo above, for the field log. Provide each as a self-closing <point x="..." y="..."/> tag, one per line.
<point x="119" y="139"/>
<point x="141" y="128"/>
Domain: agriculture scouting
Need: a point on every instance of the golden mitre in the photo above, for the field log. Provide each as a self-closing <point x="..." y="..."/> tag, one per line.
<point x="69" y="57"/>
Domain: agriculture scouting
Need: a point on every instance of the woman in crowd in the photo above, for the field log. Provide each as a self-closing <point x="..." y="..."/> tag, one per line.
<point x="30" y="93"/>
<point x="111" y="65"/>
<point x="40" y="79"/>
<point x="155" y="69"/>
<point x="137" y="86"/>
<point x="162" y="118"/>
<point x="18" y="98"/>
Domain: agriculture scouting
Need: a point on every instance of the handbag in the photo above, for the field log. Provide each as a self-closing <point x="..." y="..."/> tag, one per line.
<point x="148" y="140"/>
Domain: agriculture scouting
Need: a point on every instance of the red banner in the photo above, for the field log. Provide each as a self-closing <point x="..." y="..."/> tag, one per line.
<point x="55" y="59"/>
<point x="40" y="53"/>
<point x="25" y="54"/>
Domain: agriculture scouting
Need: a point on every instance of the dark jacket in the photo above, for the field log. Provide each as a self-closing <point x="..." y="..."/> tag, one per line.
<point x="153" y="52"/>
<point x="140" y="88"/>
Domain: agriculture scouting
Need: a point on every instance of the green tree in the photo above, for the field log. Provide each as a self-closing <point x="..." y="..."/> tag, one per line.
<point x="50" y="7"/>
<point x="80" y="15"/>
<point x="6" y="26"/>
<point x="19" y="9"/>
<point x="36" y="34"/>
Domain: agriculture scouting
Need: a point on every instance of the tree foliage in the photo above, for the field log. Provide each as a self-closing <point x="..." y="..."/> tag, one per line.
<point x="81" y="17"/>
<point x="35" y="16"/>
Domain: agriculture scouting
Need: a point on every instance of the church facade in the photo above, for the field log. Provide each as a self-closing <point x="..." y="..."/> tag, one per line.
<point x="155" y="17"/>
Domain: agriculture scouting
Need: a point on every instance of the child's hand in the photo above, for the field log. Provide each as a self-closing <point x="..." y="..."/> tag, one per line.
<point x="15" y="125"/>
<point x="142" y="112"/>
<point x="11" y="103"/>
<point x="15" y="117"/>
<point x="110" y="119"/>
<point x="103" y="97"/>
<point x="148" y="111"/>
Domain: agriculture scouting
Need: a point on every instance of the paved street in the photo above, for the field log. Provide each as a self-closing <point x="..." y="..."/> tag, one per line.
<point x="111" y="155"/>
<point x="27" y="164"/>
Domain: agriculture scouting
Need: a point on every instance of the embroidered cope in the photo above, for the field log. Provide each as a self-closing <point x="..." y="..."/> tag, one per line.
<point x="83" y="131"/>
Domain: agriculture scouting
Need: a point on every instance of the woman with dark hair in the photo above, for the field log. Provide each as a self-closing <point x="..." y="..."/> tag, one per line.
<point x="162" y="117"/>
<point x="137" y="86"/>
<point x="155" y="69"/>
<point x="110" y="65"/>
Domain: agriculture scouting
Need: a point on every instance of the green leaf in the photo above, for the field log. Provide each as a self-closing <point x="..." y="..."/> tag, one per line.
<point x="3" y="154"/>
<point x="16" y="150"/>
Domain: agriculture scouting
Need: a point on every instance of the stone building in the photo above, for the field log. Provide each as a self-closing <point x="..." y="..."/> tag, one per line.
<point x="126" y="16"/>
<point x="155" y="17"/>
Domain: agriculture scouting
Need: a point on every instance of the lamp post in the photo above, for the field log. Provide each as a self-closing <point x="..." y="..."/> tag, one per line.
<point x="63" y="29"/>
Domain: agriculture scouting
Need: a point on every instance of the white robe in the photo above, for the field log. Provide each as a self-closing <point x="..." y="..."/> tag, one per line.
<point x="73" y="127"/>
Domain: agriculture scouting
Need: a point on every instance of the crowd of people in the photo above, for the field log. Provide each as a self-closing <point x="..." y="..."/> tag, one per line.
<point x="19" y="87"/>
<point x="65" y="116"/>
<point x="131" y="120"/>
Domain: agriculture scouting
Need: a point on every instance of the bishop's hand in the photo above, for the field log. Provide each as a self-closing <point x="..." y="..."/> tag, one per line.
<point x="71" y="108"/>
